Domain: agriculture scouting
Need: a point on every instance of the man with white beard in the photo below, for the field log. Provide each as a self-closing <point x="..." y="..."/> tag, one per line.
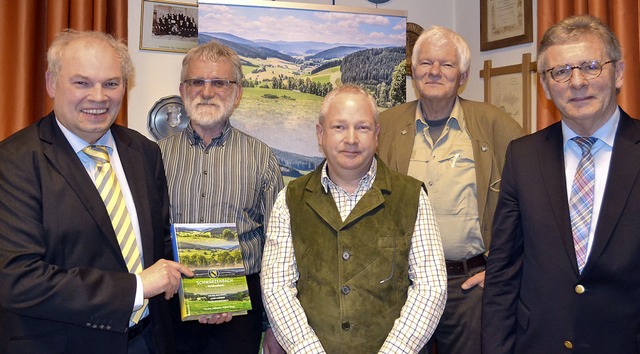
<point x="217" y="174"/>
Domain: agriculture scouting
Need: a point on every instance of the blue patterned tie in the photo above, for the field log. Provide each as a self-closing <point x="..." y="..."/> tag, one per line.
<point x="581" y="200"/>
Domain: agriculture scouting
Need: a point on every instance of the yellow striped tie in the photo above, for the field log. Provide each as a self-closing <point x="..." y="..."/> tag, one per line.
<point x="109" y="189"/>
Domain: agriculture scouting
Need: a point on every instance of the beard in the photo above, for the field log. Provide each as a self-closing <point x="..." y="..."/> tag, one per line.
<point x="209" y="113"/>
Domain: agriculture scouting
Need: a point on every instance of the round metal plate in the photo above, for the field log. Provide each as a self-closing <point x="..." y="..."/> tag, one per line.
<point x="167" y="117"/>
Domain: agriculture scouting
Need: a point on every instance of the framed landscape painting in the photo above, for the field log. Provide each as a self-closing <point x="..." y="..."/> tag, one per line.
<point x="293" y="54"/>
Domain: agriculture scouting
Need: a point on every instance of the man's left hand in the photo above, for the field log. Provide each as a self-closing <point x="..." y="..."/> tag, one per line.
<point x="270" y="344"/>
<point x="477" y="279"/>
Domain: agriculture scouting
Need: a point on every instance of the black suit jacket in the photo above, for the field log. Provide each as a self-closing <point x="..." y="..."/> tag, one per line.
<point x="64" y="285"/>
<point x="535" y="300"/>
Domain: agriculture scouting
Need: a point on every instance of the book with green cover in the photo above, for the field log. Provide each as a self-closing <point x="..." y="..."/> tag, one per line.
<point x="212" y="252"/>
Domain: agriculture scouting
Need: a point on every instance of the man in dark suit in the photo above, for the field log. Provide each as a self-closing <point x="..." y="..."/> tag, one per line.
<point x="64" y="284"/>
<point x="562" y="274"/>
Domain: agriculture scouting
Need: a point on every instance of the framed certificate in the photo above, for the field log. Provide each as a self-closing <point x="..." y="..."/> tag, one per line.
<point x="504" y="23"/>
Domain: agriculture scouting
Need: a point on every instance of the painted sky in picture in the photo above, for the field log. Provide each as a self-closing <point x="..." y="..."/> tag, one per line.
<point x="293" y="54"/>
<point x="267" y="23"/>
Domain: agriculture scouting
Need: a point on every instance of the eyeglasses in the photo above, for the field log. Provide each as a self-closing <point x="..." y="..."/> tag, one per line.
<point x="589" y="69"/>
<point x="215" y="83"/>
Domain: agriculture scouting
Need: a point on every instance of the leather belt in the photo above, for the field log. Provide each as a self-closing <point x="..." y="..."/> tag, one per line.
<point x="136" y="329"/>
<point x="463" y="267"/>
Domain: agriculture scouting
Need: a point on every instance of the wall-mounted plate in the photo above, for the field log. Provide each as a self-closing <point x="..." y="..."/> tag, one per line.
<point x="167" y="117"/>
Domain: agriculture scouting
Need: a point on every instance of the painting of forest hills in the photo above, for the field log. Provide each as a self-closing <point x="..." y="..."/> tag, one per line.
<point x="293" y="55"/>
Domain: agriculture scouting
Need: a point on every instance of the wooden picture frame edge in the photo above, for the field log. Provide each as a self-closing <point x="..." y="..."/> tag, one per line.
<point x="526" y="68"/>
<point x="526" y="37"/>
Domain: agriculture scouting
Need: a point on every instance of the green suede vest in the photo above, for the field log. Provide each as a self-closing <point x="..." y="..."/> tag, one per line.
<point x="353" y="274"/>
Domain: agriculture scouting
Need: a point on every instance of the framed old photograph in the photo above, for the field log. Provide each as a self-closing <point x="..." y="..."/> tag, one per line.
<point x="504" y="23"/>
<point x="168" y="26"/>
<point x="510" y="88"/>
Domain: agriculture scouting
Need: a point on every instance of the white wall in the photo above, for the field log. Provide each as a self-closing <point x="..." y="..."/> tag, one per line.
<point x="158" y="73"/>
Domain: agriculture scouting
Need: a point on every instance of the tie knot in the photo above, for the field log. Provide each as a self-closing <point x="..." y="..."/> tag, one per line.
<point x="585" y="143"/>
<point x="98" y="153"/>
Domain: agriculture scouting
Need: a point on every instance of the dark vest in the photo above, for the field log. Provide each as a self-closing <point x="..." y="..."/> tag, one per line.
<point x="353" y="274"/>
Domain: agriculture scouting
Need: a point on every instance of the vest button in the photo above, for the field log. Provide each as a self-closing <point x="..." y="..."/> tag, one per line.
<point x="346" y="255"/>
<point x="346" y="326"/>
<point x="568" y="344"/>
<point x="579" y="289"/>
<point x="345" y="289"/>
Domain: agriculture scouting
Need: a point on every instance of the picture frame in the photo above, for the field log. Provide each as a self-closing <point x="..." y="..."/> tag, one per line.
<point x="504" y="23"/>
<point x="293" y="54"/>
<point x="414" y="31"/>
<point x="168" y="26"/>
<point x="510" y="88"/>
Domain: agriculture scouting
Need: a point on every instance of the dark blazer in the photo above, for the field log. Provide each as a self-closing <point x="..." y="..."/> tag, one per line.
<point x="535" y="300"/>
<point x="64" y="286"/>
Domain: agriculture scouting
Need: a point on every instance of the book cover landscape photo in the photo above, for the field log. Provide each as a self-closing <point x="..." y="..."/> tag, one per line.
<point x="213" y="253"/>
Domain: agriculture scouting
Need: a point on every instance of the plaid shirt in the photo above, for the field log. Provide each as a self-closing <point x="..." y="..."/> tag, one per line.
<point x="425" y="299"/>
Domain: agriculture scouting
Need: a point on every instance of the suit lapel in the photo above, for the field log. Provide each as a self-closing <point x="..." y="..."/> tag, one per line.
<point x="623" y="173"/>
<point x="551" y="157"/>
<point x="62" y="157"/>
<point x="132" y="163"/>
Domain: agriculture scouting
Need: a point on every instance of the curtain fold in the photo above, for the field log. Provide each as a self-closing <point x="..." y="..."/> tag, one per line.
<point x="622" y="17"/>
<point x="27" y="29"/>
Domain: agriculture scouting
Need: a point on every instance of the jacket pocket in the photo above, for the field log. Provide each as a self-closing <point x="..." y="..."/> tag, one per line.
<point x="50" y="343"/>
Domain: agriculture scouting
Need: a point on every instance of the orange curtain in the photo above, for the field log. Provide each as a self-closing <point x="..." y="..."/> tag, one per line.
<point x="26" y="30"/>
<point x="622" y="17"/>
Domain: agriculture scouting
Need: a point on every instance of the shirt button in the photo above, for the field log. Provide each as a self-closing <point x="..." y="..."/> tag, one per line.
<point x="430" y="183"/>
<point x="204" y="195"/>
<point x="345" y="289"/>
<point x="568" y="344"/>
<point x="205" y="172"/>
<point x="346" y="255"/>
<point x="346" y="326"/>
<point x="579" y="289"/>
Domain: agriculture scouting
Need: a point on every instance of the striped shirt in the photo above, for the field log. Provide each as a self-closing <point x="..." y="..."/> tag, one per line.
<point x="233" y="179"/>
<point x="426" y="296"/>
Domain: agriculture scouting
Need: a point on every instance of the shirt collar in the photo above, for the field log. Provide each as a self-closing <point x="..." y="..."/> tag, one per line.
<point x="365" y="181"/>
<point x="457" y="114"/>
<point x="196" y="139"/>
<point x="77" y="143"/>
<point x="606" y="133"/>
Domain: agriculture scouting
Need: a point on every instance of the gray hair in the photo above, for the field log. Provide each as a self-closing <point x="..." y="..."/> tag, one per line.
<point x="347" y="88"/>
<point x="575" y="28"/>
<point x="66" y="37"/>
<point x="441" y="35"/>
<point x="213" y="52"/>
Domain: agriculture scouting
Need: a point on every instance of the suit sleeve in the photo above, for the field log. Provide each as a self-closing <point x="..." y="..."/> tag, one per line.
<point x="504" y="267"/>
<point x="54" y="263"/>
